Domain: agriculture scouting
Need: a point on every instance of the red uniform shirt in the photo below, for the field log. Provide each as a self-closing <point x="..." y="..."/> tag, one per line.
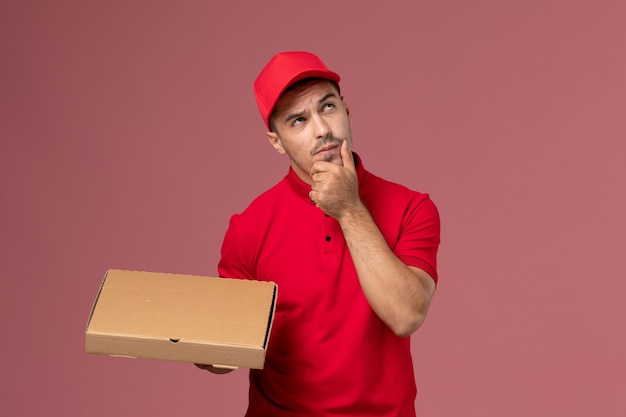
<point x="328" y="354"/>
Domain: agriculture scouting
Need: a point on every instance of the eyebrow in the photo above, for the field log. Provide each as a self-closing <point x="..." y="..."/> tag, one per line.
<point x="326" y="97"/>
<point x="294" y="116"/>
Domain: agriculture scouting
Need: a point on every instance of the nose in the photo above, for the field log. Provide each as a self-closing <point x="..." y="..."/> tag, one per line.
<point x="322" y="129"/>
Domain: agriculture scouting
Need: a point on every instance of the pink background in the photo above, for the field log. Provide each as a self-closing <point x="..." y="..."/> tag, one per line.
<point x="130" y="135"/>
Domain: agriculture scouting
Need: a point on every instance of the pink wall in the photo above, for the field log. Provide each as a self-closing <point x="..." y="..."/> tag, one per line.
<point x="130" y="135"/>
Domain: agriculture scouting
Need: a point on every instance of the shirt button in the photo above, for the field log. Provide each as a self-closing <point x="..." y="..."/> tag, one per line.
<point x="327" y="238"/>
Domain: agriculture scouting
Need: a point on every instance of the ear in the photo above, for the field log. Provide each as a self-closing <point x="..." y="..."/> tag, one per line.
<point x="275" y="142"/>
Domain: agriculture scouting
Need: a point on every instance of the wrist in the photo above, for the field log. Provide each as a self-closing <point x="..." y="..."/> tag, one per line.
<point x="353" y="214"/>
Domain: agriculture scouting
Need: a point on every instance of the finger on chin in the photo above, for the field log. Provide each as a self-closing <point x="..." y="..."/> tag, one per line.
<point x="346" y="154"/>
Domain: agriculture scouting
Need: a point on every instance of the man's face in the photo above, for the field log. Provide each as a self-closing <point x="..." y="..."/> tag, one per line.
<point x="310" y="122"/>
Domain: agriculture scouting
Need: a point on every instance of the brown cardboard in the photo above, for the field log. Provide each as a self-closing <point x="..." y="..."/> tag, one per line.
<point x="205" y="320"/>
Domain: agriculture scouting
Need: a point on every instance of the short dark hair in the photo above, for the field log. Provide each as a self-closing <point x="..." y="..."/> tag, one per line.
<point x="294" y="86"/>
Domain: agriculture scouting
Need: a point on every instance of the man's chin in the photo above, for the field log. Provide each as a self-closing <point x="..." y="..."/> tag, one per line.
<point x="330" y="157"/>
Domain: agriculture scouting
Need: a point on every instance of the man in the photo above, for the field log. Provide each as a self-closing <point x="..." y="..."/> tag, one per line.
<point x="354" y="257"/>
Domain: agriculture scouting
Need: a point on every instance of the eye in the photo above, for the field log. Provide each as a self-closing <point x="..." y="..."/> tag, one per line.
<point x="329" y="106"/>
<point x="297" y="121"/>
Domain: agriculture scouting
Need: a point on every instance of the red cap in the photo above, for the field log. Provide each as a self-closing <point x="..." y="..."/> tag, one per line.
<point x="283" y="70"/>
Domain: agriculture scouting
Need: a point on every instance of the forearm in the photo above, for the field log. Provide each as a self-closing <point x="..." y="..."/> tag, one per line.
<point x="400" y="295"/>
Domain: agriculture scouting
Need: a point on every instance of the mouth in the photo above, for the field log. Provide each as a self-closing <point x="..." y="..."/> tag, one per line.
<point x="326" y="149"/>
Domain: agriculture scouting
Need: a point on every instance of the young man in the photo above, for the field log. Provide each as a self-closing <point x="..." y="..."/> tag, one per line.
<point x="354" y="257"/>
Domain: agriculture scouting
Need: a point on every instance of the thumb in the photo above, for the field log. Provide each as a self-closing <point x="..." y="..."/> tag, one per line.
<point x="346" y="156"/>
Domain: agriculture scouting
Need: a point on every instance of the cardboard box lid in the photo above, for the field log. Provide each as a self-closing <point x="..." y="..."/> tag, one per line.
<point x="219" y="321"/>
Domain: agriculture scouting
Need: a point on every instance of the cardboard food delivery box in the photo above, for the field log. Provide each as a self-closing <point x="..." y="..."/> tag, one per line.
<point x="206" y="320"/>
